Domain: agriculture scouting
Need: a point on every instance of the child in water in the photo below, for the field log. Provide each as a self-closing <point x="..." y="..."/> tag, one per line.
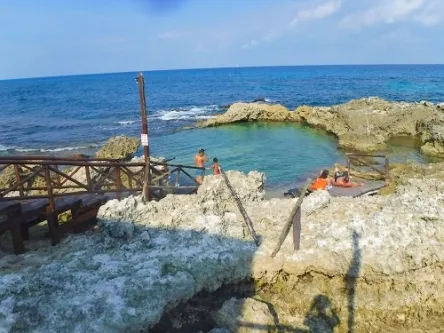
<point x="216" y="167"/>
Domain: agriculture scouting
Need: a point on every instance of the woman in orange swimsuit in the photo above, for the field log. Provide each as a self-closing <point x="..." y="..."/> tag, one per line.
<point x="322" y="182"/>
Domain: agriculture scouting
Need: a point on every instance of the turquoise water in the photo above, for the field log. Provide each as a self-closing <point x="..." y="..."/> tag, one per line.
<point x="285" y="152"/>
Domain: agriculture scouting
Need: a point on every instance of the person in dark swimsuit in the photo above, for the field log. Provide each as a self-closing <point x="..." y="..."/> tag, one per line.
<point x="199" y="160"/>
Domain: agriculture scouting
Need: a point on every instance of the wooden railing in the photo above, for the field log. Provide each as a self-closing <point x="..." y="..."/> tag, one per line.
<point x="52" y="177"/>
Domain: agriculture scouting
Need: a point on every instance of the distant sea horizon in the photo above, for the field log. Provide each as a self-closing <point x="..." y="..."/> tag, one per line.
<point x="64" y="115"/>
<point x="210" y="68"/>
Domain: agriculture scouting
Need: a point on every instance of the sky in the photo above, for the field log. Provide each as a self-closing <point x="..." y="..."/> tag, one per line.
<point x="63" y="37"/>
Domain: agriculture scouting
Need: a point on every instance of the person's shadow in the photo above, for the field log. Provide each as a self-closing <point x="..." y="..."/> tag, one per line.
<point x="322" y="317"/>
<point x="351" y="281"/>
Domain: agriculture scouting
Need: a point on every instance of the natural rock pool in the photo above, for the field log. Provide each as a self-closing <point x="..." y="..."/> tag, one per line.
<point x="286" y="152"/>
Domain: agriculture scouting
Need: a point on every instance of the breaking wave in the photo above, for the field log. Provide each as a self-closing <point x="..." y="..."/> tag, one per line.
<point x="46" y="150"/>
<point x="204" y="112"/>
<point x="126" y="122"/>
<point x="5" y="148"/>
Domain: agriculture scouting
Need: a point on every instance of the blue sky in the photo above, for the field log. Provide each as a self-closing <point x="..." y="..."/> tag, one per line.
<point x="58" y="37"/>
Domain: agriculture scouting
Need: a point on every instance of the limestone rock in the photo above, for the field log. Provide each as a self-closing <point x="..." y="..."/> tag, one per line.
<point x="247" y="112"/>
<point x="364" y="124"/>
<point x="367" y="124"/>
<point x="220" y="330"/>
<point x="7" y="177"/>
<point x="431" y="132"/>
<point x="245" y="315"/>
<point x="119" y="147"/>
<point x="382" y="256"/>
<point x="212" y="210"/>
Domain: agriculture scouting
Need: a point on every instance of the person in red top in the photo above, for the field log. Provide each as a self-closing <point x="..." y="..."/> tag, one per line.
<point x="322" y="182"/>
<point x="216" y="167"/>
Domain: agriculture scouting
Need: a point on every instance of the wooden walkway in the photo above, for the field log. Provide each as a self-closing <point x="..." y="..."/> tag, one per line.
<point x="19" y="216"/>
<point x="363" y="163"/>
<point x="44" y="188"/>
<point x="336" y="191"/>
<point x="369" y="187"/>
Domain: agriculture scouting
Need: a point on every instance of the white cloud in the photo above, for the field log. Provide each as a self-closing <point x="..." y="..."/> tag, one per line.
<point x="319" y="12"/>
<point x="432" y="14"/>
<point x="252" y="43"/>
<point x="428" y="12"/>
<point x="167" y="35"/>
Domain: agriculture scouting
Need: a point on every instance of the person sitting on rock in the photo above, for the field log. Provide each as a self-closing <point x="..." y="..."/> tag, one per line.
<point x="337" y="175"/>
<point x="344" y="181"/>
<point x="322" y="182"/>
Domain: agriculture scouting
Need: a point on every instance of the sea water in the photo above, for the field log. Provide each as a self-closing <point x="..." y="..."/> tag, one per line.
<point x="76" y="114"/>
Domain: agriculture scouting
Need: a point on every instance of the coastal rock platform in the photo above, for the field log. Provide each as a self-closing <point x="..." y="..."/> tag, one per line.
<point x="365" y="124"/>
<point x="373" y="263"/>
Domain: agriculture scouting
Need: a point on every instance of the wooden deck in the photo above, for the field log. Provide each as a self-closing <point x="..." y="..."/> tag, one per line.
<point x="336" y="191"/>
<point x="369" y="187"/>
<point x="18" y="216"/>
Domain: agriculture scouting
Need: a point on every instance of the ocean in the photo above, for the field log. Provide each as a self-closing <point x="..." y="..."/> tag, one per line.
<point x="76" y="114"/>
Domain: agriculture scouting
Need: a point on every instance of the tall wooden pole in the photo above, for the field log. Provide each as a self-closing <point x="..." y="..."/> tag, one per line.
<point x="144" y="137"/>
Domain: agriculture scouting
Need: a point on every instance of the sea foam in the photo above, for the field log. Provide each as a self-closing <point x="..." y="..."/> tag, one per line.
<point x="203" y="112"/>
<point x="48" y="150"/>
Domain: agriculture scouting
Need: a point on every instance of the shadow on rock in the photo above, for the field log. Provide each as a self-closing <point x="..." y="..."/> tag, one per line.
<point x="351" y="282"/>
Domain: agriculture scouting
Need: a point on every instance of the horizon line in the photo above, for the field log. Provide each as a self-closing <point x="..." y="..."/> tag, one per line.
<point x="213" y="68"/>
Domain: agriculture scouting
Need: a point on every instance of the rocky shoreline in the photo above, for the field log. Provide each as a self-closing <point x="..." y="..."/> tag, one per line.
<point x="377" y="261"/>
<point x="371" y="264"/>
<point x="365" y="124"/>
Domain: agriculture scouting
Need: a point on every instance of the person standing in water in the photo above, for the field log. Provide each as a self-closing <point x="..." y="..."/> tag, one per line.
<point x="199" y="160"/>
<point x="216" y="167"/>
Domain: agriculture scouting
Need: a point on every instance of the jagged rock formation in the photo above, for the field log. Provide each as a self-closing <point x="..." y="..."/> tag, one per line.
<point x="368" y="123"/>
<point x="245" y="316"/>
<point x="246" y="112"/>
<point x="431" y="132"/>
<point x="365" y="124"/>
<point x="374" y="264"/>
<point x="119" y="147"/>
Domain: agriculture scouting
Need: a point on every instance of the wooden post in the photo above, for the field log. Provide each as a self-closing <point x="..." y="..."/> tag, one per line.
<point x="297" y="230"/>
<point x="242" y="210"/>
<point x="52" y="216"/>
<point x="49" y="188"/>
<point x="88" y="178"/>
<point x="118" y="182"/>
<point x="146" y="149"/>
<point x="387" y="169"/>
<point x="18" y="179"/>
<point x="59" y="180"/>
<point x="290" y="219"/>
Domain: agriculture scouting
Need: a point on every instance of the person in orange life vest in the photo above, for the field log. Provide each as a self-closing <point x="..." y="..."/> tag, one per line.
<point x="344" y="181"/>
<point x="216" y="167"/>
<point x="322" y="182"/>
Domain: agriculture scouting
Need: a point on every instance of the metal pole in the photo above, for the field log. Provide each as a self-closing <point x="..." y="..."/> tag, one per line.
<point x="146" y="148"/>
